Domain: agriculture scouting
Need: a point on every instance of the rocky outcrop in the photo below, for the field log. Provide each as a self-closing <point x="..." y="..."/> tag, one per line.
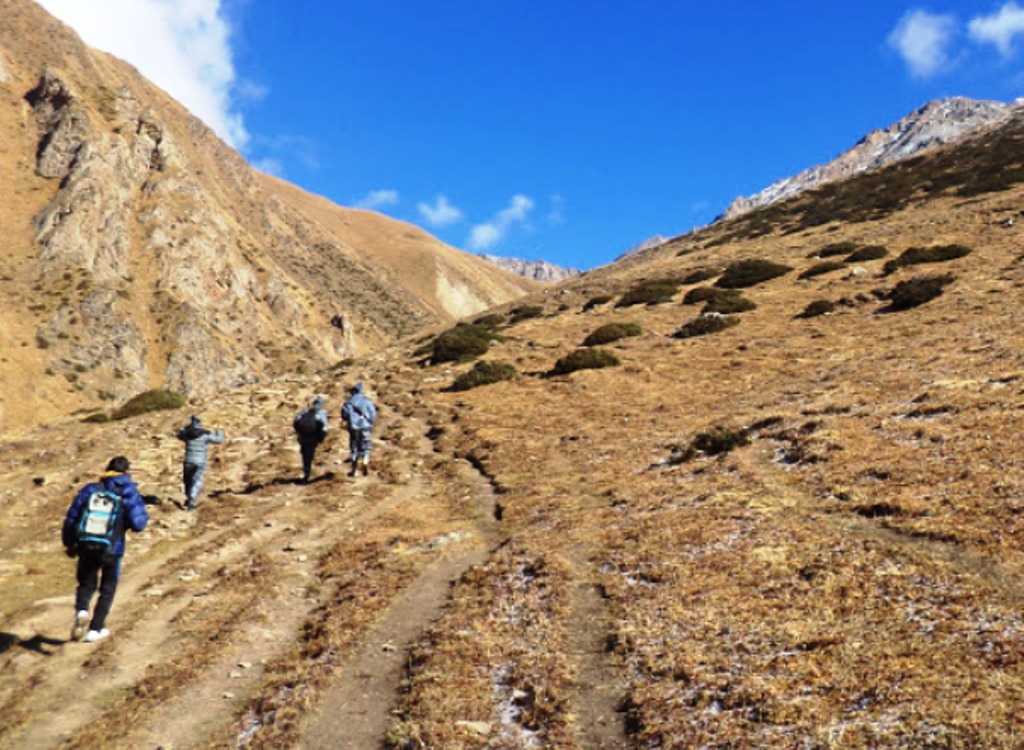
<point x="538" y="270"/>
<point x="648" y="244"/>
<point x="144" y="253"/>
<point x="932" y="125"/>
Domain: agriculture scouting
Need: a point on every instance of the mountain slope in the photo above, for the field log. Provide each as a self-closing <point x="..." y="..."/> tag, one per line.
<point x="142" y="252"/>
<point x="805" y="529"/>
<point x="935" y="123"/>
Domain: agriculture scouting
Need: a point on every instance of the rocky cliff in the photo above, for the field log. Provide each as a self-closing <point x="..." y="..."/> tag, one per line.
<point x="143" y="252"/>
<point x="538" y="270"/>
<point x="936" y="123"/>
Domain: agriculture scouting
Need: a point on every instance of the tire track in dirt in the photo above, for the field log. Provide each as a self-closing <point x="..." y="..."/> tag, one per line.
<point x="356" y="711"/>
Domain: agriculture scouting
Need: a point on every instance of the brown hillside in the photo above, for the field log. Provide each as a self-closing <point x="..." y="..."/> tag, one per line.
<point x="141" y="252"/>
<point x="802" y="530"/>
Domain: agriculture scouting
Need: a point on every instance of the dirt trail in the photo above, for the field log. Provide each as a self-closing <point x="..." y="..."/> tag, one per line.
<point x="356" y="711"/>
<point x="597" y="694"/>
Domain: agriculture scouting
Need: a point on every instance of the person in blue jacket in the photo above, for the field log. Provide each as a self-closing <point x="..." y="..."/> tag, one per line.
<point x="359" y="414"/>
<point x="197" y="441"/>
<point x="101" y="566"/>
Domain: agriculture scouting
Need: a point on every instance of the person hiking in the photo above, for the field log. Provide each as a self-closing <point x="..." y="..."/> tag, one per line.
<point x="359" y="414"/>
<point x="310" y="428"/>
<point x="197" y="445"/>
<point x="94" y="532"/>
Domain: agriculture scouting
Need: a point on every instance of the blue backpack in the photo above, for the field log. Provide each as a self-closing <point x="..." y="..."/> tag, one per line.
<point x="101" y="517"/>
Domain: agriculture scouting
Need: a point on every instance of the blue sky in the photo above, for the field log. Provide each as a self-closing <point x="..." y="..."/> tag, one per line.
<point x="557" y="129"/>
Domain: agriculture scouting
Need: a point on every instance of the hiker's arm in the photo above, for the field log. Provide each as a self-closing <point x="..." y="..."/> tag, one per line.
<point x="217" y="437"/>
<point x="137" y="516"/>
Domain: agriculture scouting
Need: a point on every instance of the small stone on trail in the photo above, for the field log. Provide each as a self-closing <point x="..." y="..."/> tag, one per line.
<point x="245" y="664"/>
<point x="389" y="646"/>
<point x="482" y="728"/>
<point x="229" y="696"/>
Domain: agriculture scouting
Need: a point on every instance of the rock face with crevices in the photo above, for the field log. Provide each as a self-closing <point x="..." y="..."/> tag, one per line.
<point x="142" y="252"/>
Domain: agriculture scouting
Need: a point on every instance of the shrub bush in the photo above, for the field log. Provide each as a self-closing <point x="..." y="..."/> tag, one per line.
<point x="821" y="268"/>
<point x="147" y="402"/>
<point x="870" y="252"/>
<point x="491" y="320"/>
<point x="917" y="255"/>
<point x="653" y="292"/>
<point x="526" y="312"/>
<point x="836" y="248"/>
<point x="718" y="440"/>
<point x="728" y="302"/>
<point x="601" y="299"/>
<point x="461" y="343"/>
<point x="917" y="291"/>
<point x="701" y="294"/>
<point x="703" y="274"/>
<point x="484" y="373"/>
<point x="584" y="359"/>
<point x="750" y="272"/>
<point x="612" y="332"/>
<point x="818" y="307"/>
<point x="704" y="325"/>
<point x="99" y="417"/>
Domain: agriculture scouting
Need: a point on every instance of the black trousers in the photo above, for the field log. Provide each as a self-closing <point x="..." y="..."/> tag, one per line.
<point x="93" y="568"/>
<point x="308" y="450"/>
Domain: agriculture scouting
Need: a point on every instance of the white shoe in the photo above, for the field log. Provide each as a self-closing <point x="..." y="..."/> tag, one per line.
<point x="81" y="621"/>
<point x="96" y="635"/>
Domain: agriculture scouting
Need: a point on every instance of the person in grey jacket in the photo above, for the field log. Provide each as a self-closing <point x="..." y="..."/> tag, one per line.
<point x="197" y="445"/>
<point x="310" y="428"/>
<point x="359" y="414"/>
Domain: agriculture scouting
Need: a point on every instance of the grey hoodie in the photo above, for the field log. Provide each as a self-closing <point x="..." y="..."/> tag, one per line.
<point x="198" y="441"/>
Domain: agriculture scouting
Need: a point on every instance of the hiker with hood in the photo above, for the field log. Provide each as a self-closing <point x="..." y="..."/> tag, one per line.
<point x="94" y="532"/>
<point x="310" y="428"/>
<point x="197" y="445"/>
<point x="359" y="414"/>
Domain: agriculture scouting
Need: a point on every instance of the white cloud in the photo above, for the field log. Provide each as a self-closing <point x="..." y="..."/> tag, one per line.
<point x="923" y="40"/>
<point x="379" y="199"/>
<point x="441" y="214"/>
<point x="269" y="166"/>
<point x="999" y="29"/>
<point x="486" y="236"/>
<point x="556" y="215"/>
<point x="183" y="46"/>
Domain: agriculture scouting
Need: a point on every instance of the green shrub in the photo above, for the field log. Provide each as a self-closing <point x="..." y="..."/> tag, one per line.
<point x="653" y="292"/>
<point x="484" y="373"/>
<point x="836" y="248"/>
<point x="728" y="302"/>
<point x="705" y="325"/>
<point x="584" y="359"/>
<point x="703" y="274"/>
<point x="526" y="312"/>
<point x="99" y="417"/>
<point x="601" y="299"/>
<point x="870" y="252"/>
<point x="750" y="272"/>
<point x="821" y="268"/>
<point x="718" y="440"/>
<point x="491" y="320"/>
<point x="818" y="307"/>
<point x="702" y="294"/>
<point x="612" y="332"/>
<point x="917" y="291"/>
<point x="147" y="402"/>
<point x="463" y="342"/>
<point x="917" y="255"/>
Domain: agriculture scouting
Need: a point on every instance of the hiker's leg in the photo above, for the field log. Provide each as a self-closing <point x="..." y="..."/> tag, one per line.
<point x="308" y="451"/>
<point x="353" y="444"/>
<point x="108" y="587"/>
<point x="195" y="482"/>
<point x="188" y="472"/>
<point x="87" y="574"/>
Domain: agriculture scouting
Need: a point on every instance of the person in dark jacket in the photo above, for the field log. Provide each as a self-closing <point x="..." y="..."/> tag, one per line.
<point x="197" y="447"/>
<point x="310" y="427"/>
<point x="103" y="566"/>
<point x="359" y="414"/>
